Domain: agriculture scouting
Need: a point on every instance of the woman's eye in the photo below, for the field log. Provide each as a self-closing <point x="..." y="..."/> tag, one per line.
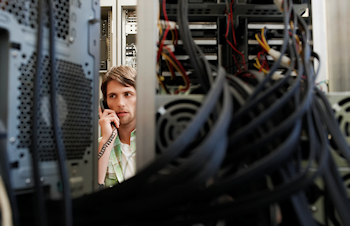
<point x="127" y="94"/>
<point x="112" y="96"/>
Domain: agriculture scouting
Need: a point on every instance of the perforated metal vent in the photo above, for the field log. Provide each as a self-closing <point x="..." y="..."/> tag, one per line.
<point x="74" y="104"/>
<point x="26" y="13"/>
<point x="271" y="11"/>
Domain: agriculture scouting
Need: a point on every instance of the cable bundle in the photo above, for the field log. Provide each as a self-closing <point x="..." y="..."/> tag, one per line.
<point x="267" y="146"/>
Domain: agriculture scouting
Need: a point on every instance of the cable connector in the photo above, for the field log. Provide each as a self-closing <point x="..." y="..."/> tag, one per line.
<point x="170" y="48"/>
<point x="279" y="4"/>
<point x="285" y="62"/>
<point x="164" y="24"/>
<point x="277" y="76"/>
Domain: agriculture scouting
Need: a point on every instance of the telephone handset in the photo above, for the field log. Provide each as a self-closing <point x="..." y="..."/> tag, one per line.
<point x="103" y="105"/>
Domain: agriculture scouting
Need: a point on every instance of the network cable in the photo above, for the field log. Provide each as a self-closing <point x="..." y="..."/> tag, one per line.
<point x="61" y="154"/>
<point x="267" y="146"/>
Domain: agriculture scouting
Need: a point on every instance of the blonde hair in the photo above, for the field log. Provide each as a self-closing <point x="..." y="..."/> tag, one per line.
<point x="125" y="75"/>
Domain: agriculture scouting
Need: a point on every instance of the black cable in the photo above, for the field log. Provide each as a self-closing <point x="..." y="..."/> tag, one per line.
<point x="189" y="45"/>
<point x="268" y="112"/>
<point x="276" y="64"/>
<point x="204" y="162"/>
<point x="243" y="89"/>
<point x="40" y="209"/>
<point x="204" y="151"/>
<point x="319" y="62"/>
<point x="334" y="182"/>
<point x="174" y="150"/>
<point x="208" y="73"/>
<point x="249" y="204"/>
<point x="318" y="121"/>
<point x="310" y="89"/>
<point x="255" y="201"/>
<point x="302" y="210"/>
<point x="61" y="154"/>
<point x="313" y="140"/>
<point x="288" y="109"/>
<point x="251" y="104"/>
<point x="333" y="127"/>
<point x="260" y="167"/>
<point x="210" y="99"/>
<point x="273" y="132"/>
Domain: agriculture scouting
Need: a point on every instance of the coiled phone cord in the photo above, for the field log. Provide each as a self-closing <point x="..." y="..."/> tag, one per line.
<point x="114" y="133"/>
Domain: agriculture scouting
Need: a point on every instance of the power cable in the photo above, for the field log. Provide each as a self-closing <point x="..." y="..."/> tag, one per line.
<point x="40" y="209"/>
<point x="61" y="154"/>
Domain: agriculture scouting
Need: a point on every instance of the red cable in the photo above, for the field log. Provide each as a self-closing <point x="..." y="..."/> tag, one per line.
<point x="264" y="61"/>
<point x="173" y="76"/>
<point x="171" y="53"/>
<point x="176" y="37"/>
<point x="230" y="21"/>
<point x="245" y="67"/>
<point x="162" y="42"/>
<point x="237" y="64"/>
<point x="226" y="35"/>
<point x="181" y="68"/>
<point x="164" y="11"/>
<point x="165" y="32"/>
<point x="228" y="25"/>
<point x="232" y="27"/>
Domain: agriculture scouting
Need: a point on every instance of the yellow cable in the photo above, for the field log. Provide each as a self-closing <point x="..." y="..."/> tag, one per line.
<point x="176" y="67"/>
<point x="172" y="37"/>
<point x="160" y="79"/>
<point x="259" y="68"/>
<point x="296" y="36"/>
<point x="159" y="26"/>
<point x="291" y="25"/>
<point x="260" y="42"/>
<point x="160" y="30"/>
<point x="299" y="43"/>
<point x="258" y="62"/>
<point x="167" y="64"/>
<point x="264" y="39"/>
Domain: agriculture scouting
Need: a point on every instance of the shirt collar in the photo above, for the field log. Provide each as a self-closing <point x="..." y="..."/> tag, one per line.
<point x="117" y="141"/>
<point x="133" y="133"/>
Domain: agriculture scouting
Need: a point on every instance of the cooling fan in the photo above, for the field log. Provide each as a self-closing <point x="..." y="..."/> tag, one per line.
<point x="173" y="114"/>
<point x="340" y="103"/>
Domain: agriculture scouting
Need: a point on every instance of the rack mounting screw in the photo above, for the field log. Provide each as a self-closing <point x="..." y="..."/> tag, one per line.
<point x="12" y="140"/>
